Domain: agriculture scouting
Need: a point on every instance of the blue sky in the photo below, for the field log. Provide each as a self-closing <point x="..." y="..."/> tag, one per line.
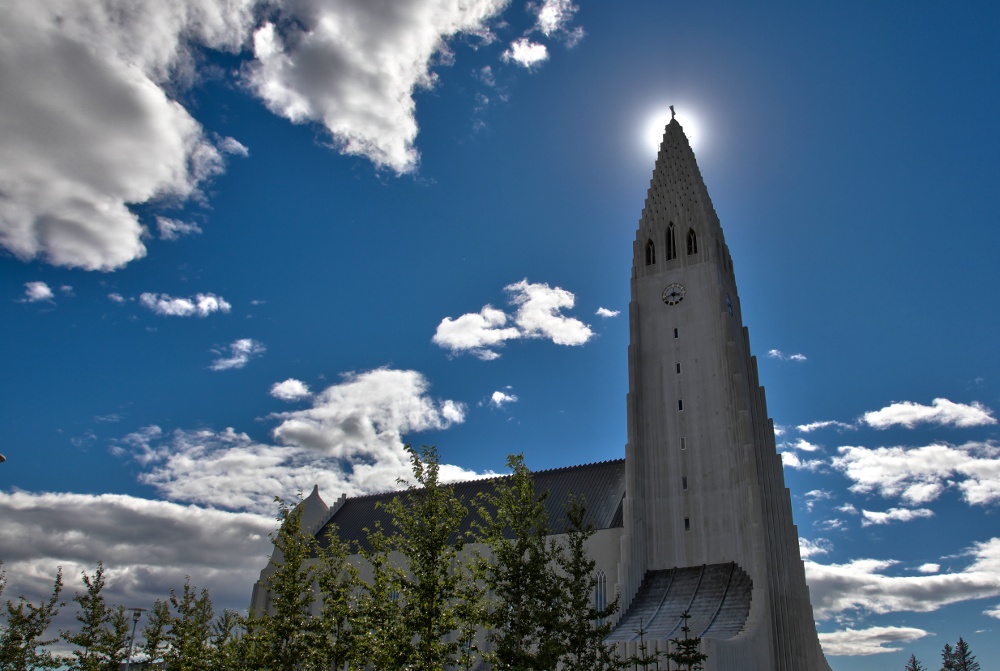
<point x="249" y="248"/>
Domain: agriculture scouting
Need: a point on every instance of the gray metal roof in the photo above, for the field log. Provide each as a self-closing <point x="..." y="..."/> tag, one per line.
<point x="716" y="596"/>
<point x="600" y="485"/>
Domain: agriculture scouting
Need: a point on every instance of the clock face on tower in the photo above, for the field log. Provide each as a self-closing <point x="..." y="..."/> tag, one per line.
<point x="673" y="294"/>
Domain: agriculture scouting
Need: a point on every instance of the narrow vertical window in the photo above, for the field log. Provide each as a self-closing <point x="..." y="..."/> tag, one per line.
<point x="675" y="333"/>
<point x="678" y="368"/>
<point x="687" y="524"/>
<point x="692" y="241"/>
<point x="600" y="596"/>
<point x="650" y="253"/>
<point x="671" y="242"/>
<point x="680" y="404"/>
<point x="684" y="443"/>
<point x="684" y="482"/>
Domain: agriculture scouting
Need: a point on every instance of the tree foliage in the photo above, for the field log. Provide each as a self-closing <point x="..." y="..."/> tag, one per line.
<point x="913" y="664"/>
<point x="22" y="646"/>
<point x="687" y="651"/>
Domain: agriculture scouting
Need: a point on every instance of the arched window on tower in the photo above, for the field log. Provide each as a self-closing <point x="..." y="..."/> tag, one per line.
<point x="650" y="253"/>
<point x="600" y="595"/>
<point x="692" y="242"/>
<point x="671" y="243"/>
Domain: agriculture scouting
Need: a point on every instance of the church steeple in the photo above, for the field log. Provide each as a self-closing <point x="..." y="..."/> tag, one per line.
<point x="704" y="485"/>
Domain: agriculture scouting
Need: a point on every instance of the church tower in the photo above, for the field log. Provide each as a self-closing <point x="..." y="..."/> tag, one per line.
<point x="705" y="498"/>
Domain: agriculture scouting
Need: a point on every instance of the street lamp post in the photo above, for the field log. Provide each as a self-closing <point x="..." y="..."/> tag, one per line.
<point x="136" y="614"/>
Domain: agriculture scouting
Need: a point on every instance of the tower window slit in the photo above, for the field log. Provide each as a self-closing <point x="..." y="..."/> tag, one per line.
<point x="650" y="253"/>
<point x="675" y="333"/>
<point x="683" y="443"/>
<point x="678" y="368"/>
<point x="684" y="482"/>
<point x="692" y="242"/>
<point x="687" y="524"/>
<point x="680" y="404"/>
<point x="671" y="243"/>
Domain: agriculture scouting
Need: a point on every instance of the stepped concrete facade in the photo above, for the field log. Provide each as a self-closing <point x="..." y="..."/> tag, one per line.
<point x="696" y="519"/>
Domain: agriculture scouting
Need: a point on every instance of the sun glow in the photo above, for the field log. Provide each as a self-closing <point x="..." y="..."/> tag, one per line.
<point x="658" y="120"/>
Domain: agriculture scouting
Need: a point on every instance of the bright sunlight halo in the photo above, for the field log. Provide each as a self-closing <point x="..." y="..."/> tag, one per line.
<point x="658" y="120"/>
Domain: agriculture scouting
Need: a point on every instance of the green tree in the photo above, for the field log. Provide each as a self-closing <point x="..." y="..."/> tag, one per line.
<point x="948" y="658"/>
<point x="963" y="659"/>
<point x="285" y="628"/>
<point x="522" y="616"/>
<point x="225" y="641"/>
<point x="913" y="664"/>
<point x="188" y="641"/>
<point x="383" y="642"/>
<point x="583" y="623"/>
<point x="643" y="657"/>
<point x="154" y="632"/>
<point x="334" y="634"/>
<point x="687" y="651"/>
<point x="102" y="639"/>
<point x="21" y="644"/>
<point x="435" y="581"/>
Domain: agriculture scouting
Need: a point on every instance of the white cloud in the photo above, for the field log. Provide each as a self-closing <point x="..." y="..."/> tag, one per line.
<point x="993" y="612"/>
<point x="93" y="124"/>
<point x="349" y="442"/>
<point x="116" y="298"/>
<point x="801" y="444"/>
<point x="941" y="412"/>
<point x="171" y="229"/>
<point x="555" y="15"/>
<point x="525" y="53"/>
<point x="929" y="568"/>
<point x="240" y="353"/>
<point x="353" y="67"/>
<point x="476" y="333"/>
<point x="781" y="356"/>
<point x="500" y="399"/>
<point x="808" y="548"/>
<point x="35" y="292"/>
<point x="147" y="546"/>
<point x="538" y="315"/>
<point x="88" y="127"/>
<point x="792" y="460"/>
<point x="813" y="426"/>
<point x="290" y="390"/>
<point x="606" y="313"/>
<point x="894" y="515"/>
<point x="919" y="475"/>
<point x="871" y="641"/>
<point x="862" y="585"/>
<point x="201" y="305"/>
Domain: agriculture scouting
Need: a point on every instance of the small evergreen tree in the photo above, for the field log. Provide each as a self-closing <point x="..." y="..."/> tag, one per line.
<point x="962" y="658"/>
<point x="584" y="626"/>
<point x="22" y="647"/>
<point x="687" y="651"/>
<point x="643" y="656"/>
<point x="522" y="617"/>
<point x="947" y="658"/>
<point x="102" y="640"/>
<point x="190" y="634"/>
<point x="913" y="664"/>
<point x="428" y="520"/>
<point x="155" y="630"/>
<point x="285" y="630"/>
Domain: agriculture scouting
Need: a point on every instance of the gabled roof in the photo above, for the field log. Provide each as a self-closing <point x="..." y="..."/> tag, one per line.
<point x="600" y="485"/>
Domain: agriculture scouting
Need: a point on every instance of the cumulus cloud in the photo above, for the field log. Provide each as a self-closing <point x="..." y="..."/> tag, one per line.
<point x="870" y="517"/>
<point x="801" y="444"/>
<point x="811" y="548"/>
<point x="354" y="67"/>
<point x="201" y="305"/>
<point x="350" y="441"/>
<point x="865" y="586"/>
<point x="93" y="123"/>
<point x="929" y="568"/>
<point x="920" y="475"/>
<point x="148" y="547"/>
<point x="171" y="229"/>
<point x="35" y="292"/>
<point x="525" y="53"/>
<point x="538" y="315"/>
<point x="815" y="426"/>
<point x="116" y="297"/>
<point x="89" y="128"/>
<point x="781" y="356"/>
<point x="792" y="460"/>
<point x="240" y="353"/>
<point x="290" y="390"/>
<point x="941" y="412"/>
<point x="871" y="641"/>
<point x="500" y="399"/>
<point x="606" y="313"/>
